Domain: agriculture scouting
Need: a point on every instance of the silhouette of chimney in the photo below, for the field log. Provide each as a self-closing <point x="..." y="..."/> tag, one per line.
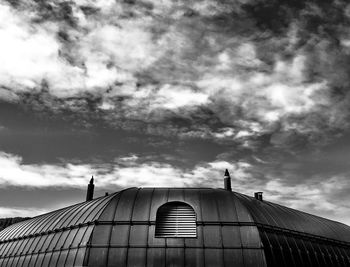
<point x="227" y="181"/>
<point x="258" y="195"/>
<point x="90" y="190"/>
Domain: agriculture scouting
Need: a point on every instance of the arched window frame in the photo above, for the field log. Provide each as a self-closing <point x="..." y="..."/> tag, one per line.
<point x="176" y="220"/>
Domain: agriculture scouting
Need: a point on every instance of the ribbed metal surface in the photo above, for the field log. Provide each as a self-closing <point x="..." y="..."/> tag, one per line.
<point x="294" y="238"/>
<point x="176" y="219"/>
<point x="268" y="213"/>
<point x="120" y="230"/>
<point x="126" y="233"/>
<point x="57" y="238"/>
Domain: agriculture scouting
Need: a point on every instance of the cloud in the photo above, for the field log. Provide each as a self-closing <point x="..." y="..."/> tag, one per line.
<point x="33" y="54"/>
<point x="10" y="212"/>
<point x="150" y="62"/>
<point x="18" y="174"/>
<point x="30" y="55"/>
<point x="326" y="197"/>
<point x="126" y="171"/>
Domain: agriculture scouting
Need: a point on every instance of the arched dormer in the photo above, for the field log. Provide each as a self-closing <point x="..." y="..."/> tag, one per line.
<point x="176" y="219"/>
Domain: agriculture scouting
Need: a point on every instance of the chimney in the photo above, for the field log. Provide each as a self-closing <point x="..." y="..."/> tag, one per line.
<point x="227" y="181"/>
<point x="258" y="195"/>
<point x="90" y="190"/>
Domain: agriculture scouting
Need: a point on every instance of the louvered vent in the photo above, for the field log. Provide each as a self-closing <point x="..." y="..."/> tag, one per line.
<point x="176" y="219"/>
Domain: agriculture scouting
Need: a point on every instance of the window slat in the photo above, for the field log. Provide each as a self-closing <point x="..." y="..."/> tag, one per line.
<point x="176" y="219"/>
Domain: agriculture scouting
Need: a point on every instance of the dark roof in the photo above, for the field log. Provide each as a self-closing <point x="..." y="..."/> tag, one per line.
<point x="119" y="229"/>
<point x="272" y="214"/>
<point x="73" y="215"/>
<point x="33" y="242"/>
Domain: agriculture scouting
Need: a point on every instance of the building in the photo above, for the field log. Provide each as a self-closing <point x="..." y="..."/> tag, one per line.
<point x="176" y="227"/>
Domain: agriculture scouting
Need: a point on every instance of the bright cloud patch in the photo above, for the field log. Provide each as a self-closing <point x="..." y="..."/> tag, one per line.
<point x="16" y="173"/>
<point x="10" y="212"/>
<point x="141" y="60"/>
<point x="27" y="54"/>
<point x="313" y="197"/>
<point x="127" y="171"/>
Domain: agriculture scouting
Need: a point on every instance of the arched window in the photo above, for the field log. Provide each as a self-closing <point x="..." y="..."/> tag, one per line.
<point x="176" y="219"/>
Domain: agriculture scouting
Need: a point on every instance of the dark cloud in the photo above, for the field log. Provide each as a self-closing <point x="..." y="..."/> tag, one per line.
<point x="213" y="46"/>
<point x="258" y="86"/>
<point x="275" y="32"/>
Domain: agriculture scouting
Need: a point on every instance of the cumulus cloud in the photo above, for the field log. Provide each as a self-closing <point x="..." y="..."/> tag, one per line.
<point x="126" y="171"/>
<point x="326" y="197"/>
<point x="16" y="173"/>
<point x="10" y="212"/>
<point x="30" y="55"/>
<point x="152" y="61"/>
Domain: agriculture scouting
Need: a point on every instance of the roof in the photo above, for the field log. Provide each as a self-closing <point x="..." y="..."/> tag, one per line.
<point x="69" y="229"/>
<point x="277" y="216"/>
<point x="120" y="228"/>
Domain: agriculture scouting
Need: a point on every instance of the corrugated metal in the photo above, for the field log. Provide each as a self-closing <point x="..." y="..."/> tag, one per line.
<point x="56" y="238"/>
<point x="176" y="219"/>
<point x="130" y="221"/>
<point x="295" y="238"/>
<point x="268" y="213"/>
<point x="120" y="230"/>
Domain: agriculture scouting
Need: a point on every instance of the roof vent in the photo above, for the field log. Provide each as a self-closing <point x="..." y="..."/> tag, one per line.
<point x="258" y="195"/>
<point x="176" y="219"/>
<point x="90" y="190"/>
<point x="227" y="181"/>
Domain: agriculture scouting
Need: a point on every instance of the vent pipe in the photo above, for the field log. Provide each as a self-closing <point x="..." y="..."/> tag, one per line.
<point x="90" y="190"/>
<point x="258" y="195"/>
<point x="227" y="181"/>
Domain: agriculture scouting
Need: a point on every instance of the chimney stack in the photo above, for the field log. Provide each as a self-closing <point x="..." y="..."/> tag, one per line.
<point x="258" y="195"/>
<point x="227" y="181"/>
<point x="90" y="190"/>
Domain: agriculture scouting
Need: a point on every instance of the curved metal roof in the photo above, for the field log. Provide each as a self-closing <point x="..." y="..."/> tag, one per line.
<point x="275" y="215"/>
<point x="59" y="236"/>
<point x="125" y="234"/>
<point x="295" y="238"/>
<point x="232" y="230"/>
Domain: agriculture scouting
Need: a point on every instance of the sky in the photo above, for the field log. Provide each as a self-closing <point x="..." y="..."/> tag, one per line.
<point x="171" y="93"/>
